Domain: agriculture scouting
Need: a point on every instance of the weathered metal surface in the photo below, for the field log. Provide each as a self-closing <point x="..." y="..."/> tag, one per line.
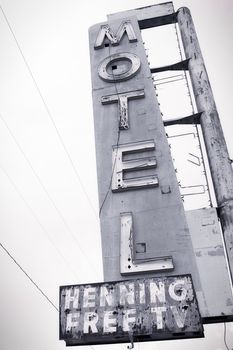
<point x="123" y="100"/>
<point x="149" y="16"/>
<point x="114" y="38"/>
<point x="140" y="309"/>
<point x="215" y="298"/>
<point x="121" y="167"/>
<point x="158" y="215"/>
<point x="128" y="263"/>
<point x="219" y="160"/>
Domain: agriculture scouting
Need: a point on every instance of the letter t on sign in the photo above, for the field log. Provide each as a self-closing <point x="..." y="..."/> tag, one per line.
<point x="122" y="100"/>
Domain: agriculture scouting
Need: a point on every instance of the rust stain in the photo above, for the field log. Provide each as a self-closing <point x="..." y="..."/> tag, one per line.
<point x="217" y="251"/>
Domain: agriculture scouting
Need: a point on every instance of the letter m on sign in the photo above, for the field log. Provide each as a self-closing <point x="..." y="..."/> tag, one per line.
<point x="106" y="31"/>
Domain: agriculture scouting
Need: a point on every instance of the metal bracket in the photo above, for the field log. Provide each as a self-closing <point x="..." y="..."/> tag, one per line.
<point x="198" y="162"/>
<point x="122" y="99"/>
<point x="197" y="189"/>
<point x="191" y="119"/>
<point x="182" y="65"/>
<point x="127" y="263"/>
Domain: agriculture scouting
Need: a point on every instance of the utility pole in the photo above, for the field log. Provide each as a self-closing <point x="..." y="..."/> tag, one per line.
<point x="216" y="148"/>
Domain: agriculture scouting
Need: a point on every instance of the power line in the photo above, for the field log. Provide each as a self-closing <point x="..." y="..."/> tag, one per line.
<point x="36" y="218"/>
<point x="48" y="111"/>
<point x="27" y="275"/>
<point x="32" y="281"/>
<point x="45" y="190"/>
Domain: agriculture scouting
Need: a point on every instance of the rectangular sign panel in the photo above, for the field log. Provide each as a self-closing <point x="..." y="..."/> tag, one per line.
<point x="145" y="309"/>
<point x="212" y="266"/>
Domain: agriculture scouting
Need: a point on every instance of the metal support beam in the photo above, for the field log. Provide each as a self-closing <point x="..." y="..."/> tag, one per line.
<point x="182" y="65"/>
<point x="149" y="16"/>
<point x="219" y="161"/>
<point x="191" y="119"/>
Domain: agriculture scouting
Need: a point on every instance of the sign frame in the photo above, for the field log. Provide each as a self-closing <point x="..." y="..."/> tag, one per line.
<point x="168" y="286"/>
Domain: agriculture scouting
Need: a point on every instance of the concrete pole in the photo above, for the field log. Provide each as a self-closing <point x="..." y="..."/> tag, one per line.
<point x="219" y="161"/>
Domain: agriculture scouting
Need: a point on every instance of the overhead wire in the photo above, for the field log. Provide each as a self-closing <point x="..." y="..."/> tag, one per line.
<point x="48" y="111"/>
<point x="46" y="191"/>
<point x="29" y="163"/>
<point x="32" y="281"/>
<point x="37" y="219"/>
<point x="27" y="275"/>
<point x="56" y="129"/>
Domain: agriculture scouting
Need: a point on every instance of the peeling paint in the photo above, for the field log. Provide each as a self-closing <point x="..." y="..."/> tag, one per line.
<point x="159" y="308"/>
<point x="217" y="251"/>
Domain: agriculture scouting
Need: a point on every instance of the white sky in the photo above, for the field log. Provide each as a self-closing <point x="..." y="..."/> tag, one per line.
<point x="49" y="212"/>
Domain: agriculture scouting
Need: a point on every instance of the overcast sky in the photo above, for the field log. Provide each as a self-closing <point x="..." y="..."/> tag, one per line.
<point x="48" y="199"/>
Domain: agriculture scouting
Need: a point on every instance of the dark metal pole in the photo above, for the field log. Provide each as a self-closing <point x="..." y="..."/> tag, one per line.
<point x="219" y="161"/>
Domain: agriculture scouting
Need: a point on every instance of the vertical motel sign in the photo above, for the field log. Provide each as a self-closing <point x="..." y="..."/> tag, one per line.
<point x="145" y="237"/>
<point x="143" y="225"/>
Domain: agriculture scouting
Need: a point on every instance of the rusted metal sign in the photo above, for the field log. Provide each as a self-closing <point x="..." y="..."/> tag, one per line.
<point x="158" y="308"/>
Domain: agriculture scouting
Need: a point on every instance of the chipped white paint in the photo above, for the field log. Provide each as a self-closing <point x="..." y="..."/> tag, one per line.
<point x="119" y="67"/>
<point x="177" y="290"/>
<point x="110" y="322"/>
<point x="114" y="38"/>
<point x="72" y="296"/>
<point x="127" y="294"/>
<point x="142" y="295"/>
<point x="140" y="306"/>
<point x="119" y="183"/>
<point x="122" y="100"/>
<point x="90" y="321"/>
<point x="159" y="315"/>
<point x="89" y="297"/>
<point x="129" y="318"/>
<point x="106" y="297"/>
<point x="157" y="292"/>
<point x="179" y="316"/>
<point x="72" y="320"/>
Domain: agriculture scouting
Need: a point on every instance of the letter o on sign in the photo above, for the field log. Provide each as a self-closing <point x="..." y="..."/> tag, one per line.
<point x="119" y="67"/>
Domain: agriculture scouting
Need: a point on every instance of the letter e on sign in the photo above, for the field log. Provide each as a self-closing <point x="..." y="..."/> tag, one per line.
<point x="120" y="167"/>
